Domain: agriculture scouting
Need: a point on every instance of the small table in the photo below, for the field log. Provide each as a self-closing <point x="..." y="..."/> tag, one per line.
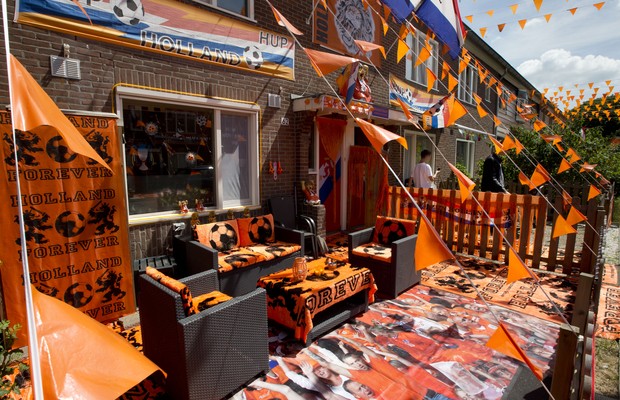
<point x="329" y="296"/>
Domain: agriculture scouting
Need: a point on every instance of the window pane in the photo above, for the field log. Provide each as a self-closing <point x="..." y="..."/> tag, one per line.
<point x="169" y="156"/>
<point x="237" y="6"/>
<point x="235" y="161"/>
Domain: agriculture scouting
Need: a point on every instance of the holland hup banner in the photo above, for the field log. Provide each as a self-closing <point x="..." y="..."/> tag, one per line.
<point x="75" y="220"/>
<point x="416" y="100"/>
<point x="170" y="27"/>
<point x="343" y="22"/>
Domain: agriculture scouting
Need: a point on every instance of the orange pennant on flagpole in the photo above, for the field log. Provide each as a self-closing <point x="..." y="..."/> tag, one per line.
<point x="593" y="192"/>
<point x="466" y="185"/>
<point x="564" y="166"/>
<point x="503" y="342"/>
<point x="378" y="136"/>
<point x="429" y="249"/>
<point x="575" y="216"/>
<point x="33" y="108"/>
<point x="562" y="227"/>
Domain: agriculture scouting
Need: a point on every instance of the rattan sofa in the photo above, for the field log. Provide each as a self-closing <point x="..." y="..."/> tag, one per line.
<point x="210" y="354"/>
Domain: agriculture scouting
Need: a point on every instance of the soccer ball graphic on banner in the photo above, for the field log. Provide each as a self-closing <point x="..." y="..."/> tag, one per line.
<point x="129" y="12"/>
<point x="253" y="57"/>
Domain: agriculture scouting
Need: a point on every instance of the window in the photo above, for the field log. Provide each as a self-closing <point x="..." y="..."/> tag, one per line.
<point x="468" y="84"/>
<point x="244" y="8"/>
<point x="465" y="154"/>
<point x="487" y="94"/>
<point x="418" y="74"/>
<point x="178" y="148"/>
<point x="416" y="142"/>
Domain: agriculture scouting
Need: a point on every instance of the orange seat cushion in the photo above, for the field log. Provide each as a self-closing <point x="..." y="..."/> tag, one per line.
<point x="241" y="258"/>
<point x="374" y="250"/>
<point x="210" y="299"/>
<point x="388" y="230"/>
<point x="176" y="286"/>
<point x="274" y="250"/>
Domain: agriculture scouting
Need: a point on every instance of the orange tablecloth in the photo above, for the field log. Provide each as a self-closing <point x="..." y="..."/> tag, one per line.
<point x="295" y="304"/>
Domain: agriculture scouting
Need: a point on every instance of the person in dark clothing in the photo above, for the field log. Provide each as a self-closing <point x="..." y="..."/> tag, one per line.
<point x="493" y="175"/>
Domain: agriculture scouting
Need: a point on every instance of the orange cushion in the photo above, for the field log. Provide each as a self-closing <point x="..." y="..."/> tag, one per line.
<point x="238" y="259"/>
<point x="388" y="230"/>
<point x="374" y="250"/>
<point x="275" y="249"/>
<point x="221" y="236"/>
<point x="210" y="299"/>
<point x="259" y="229"/>
<point x="176" y="286"/>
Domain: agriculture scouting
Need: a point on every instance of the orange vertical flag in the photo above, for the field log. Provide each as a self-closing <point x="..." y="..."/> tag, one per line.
<point x="402" y="50"/>
<point x="282" y="21"/>
<point x="325" y="63"/>
<point x="430" y="79"/>
<point x="575" y="216"/>
<point x="562" y="227"/>
<point x="564" y="166"/>
<point x="429" y="249"/>
<point x="540" y="176"/>
<point x="452" y="82"/>
<point x="593" y="192"/>
<point x="466" y="185"/>
<point x="503" y="342"/>
<point x="82" y="358"/>
<point x="33" y="108"/>
<point x="378" y="136"/>
<point x="517" y="269"/>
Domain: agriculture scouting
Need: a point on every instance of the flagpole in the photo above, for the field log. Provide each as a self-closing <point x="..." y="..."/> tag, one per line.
<point x="35" y="361"/>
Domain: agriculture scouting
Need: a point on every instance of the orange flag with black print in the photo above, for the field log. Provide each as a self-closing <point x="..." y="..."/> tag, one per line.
<point x="593" y="192"/>
<point x="429" y="249"/>
<point x="564" y="166"/>
<point x="540" y="176"/>
<point x="517" y="269"/>
<point x="82" y="358"/>
<point x="575" y="216"/>
<point x="562" y="227"/>
<point x="466" y="185"/>
<point x="378" y="136"/>
<point x="503" y="342"/>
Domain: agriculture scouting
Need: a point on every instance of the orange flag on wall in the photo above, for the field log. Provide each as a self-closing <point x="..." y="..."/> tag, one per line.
<point x="503" y="342"/>
<point x="562" y="227"/>
<point x="517" y="269"/>
<point x="429" y="249"/>
<point x="575" y="216"/>
<point x="33" y="108"/>
<point x="82" y="358"/>
<point x="282" y="21"/>
<point x="564" y="166"/>
<point x="325" y="63"/>
<point x="593" y="192"/>
<point x="540" y="176"/>
<point x="378" y="136"/>
<point x="466" y="185"/>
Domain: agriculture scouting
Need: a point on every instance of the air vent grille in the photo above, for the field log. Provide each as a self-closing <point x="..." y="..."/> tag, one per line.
<point x="65" y="67"/>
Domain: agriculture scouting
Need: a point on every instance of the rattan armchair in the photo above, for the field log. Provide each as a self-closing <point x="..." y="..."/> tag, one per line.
<point x="206" y="355"/>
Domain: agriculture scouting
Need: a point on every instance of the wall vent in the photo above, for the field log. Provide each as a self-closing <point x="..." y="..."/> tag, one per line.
<point x="275" y="100"/>
<point x="65" y="67"/>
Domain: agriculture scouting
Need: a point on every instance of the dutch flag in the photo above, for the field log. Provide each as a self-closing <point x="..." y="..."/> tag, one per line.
<point x="443" y="18"/>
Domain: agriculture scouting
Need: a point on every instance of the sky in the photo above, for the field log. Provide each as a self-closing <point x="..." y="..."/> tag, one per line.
<point x="568" y="50"/>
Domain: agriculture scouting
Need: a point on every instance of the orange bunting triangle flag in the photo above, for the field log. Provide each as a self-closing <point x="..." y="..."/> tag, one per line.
<point x="572" y="156"/>
<point x="378" y="136"/>
<point x="282" y="21"/>
<point x="429" y="249"/>
<point x="325" y="63"/>
<point x="538" y="3"/>
<point x="518" y="146"/>
<point x="499" y="149"/>
<point x="102" y="364"/>
<point x="587" y="167"/>
<point x="517" y="269"/>
<point x="33" y="108"/>
<point x="496" y="121"/>
<point x="452" y="82"/>
<point x="491" y="12"/>
<point x="575" y="216"/>
<point x="566" y="199"/>
<point x="551" y="138"/>
<point x="470" y="18"/>
<point x="562" y="227"/>
<point x="514" y="8"/>
<point x="481" y="111"/>
<point x="573" y="10"/>
<point x="423" y="56"/>
<point x="593" y="192"/>
<point x="525" y="181"/>
<point x="430" y="79"/>
<point x="406" y="111"/>
<point x="368" y="46"/>
<point x="500" y="27"/>
<point x="540" y="176"/>
<point x="508" y="143"/>
<point x="503" y="342"/>
<point x="564" y="166"/>
<point x="402" y="50"/>
<point x="466" y="185"/>
<point x="599" y="5"/>
<point x="456" y="111"/>
<point x="538" y="125"/>
<point x="522" y="23"/>
<point x="483" y="32"/>
<point x="386" y="27"/>
<point x="445" y="69"/>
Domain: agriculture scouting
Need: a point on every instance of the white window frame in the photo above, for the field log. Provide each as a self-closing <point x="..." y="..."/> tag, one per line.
<point x="412" y="151"/>
<point x="468" y="84"/>
<point x="218" y="106"/>
<point x="413" y="73"/>
<point x="487" y="94"/>
<point x="471" y="147"/>
<point x="214" y="4"/>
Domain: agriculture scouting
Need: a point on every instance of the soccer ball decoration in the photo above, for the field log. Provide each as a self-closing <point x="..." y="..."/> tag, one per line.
<point x="391" y="231"/>
<point x="253" y="57"/>
<point x="223" y="237"/>
<point x="260" y="230"/>
<point x="79" y="294"/>
<point x="151" y="128"/>
<point x="129" y="12"/>
<point x="190" y="158"/>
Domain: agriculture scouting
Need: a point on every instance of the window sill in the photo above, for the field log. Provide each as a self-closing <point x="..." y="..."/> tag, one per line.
<point x="147" y="219"/>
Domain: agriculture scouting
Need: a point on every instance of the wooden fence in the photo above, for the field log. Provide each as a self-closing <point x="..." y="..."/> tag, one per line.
<point x="526" y="221"/>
